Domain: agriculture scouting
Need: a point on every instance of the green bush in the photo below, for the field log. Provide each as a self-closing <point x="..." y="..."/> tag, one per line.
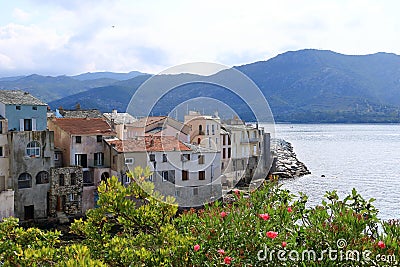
<point x="136" y="226"/>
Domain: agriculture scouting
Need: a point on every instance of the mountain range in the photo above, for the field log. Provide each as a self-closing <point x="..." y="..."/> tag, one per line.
<point x="305" y="86"/>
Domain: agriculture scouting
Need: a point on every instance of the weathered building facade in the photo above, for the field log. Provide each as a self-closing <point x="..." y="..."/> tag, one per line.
<point x="81" y="142"/>
<point x="189" y="173"/>
<point x="66" y="189"/>
<point x="30" y="152"/>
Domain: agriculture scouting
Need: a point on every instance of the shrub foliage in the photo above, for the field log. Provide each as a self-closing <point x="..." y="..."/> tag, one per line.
<point x="136" y="226"/>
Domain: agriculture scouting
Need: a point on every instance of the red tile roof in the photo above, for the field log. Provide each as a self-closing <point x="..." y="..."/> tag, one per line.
<point x="84" y="126"/>
<point x="149" y="144"/>
<point x="146" y="121"/>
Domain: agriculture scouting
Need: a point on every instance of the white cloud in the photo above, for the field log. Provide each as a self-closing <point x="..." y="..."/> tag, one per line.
<point x="57" y="37"/>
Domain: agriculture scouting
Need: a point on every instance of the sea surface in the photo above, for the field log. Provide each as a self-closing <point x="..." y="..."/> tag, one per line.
<point x="361" y="156"/>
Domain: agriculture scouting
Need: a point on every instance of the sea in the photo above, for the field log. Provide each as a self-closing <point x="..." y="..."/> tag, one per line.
<point x="346" y="156"/>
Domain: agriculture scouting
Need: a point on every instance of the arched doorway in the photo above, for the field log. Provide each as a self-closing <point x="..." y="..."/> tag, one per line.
<point x="105" y="176"/>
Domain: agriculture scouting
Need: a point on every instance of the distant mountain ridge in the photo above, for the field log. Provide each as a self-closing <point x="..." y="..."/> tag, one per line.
<point x="49" y="88"/>
<point x="301" y="86"/>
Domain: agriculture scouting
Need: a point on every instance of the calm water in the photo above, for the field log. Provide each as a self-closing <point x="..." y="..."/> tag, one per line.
<point x="365" y="157"/>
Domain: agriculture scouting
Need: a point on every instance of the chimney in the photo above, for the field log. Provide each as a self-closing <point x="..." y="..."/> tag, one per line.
<point x="112" y="124"/>
<point x="114" y="111"/>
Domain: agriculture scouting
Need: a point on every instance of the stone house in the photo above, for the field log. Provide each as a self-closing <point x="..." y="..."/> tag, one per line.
<point x="81" y="142"/>
<point x="189" y="173"/>
<point x="66" y="189"/>
<point x="30" y="149"/>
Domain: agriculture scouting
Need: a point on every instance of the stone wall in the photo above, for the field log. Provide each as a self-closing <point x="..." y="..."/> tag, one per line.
<point x="66" y="197"/>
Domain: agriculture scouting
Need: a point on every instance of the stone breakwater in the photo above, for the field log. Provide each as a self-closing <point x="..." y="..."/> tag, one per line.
<point x="286" y="164"/>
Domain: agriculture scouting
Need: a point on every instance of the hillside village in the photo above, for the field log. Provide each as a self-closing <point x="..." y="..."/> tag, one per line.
<point x="51" y="162"/>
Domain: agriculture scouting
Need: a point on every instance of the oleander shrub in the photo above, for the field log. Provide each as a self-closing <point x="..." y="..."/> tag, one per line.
<point x="272" y="227"/>
<point x="136" y="226"/>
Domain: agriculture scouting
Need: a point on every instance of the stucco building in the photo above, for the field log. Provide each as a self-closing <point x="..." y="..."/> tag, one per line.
<point x="122" y="123"/>
<point x="29" y="150"/>
<point x="81" y="142"/>
<point x="189" y="173"/>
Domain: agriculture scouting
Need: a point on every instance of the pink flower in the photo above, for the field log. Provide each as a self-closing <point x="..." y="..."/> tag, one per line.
<point x="221" y="251"/>
<point x="289" y="209"/>
<point x="381" y="244"/>
<point x="196" y="247"/>
<point x="264" y="216"/>
<point x="227" y="260"/>
<point x="272" y="234"/>
<point x="223" y="214"/>
<point x="284" y="244"/>
<point x="237" y="192"/>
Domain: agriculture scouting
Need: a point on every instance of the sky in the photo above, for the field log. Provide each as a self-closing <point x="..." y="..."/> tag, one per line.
<point x="54" y="37"/>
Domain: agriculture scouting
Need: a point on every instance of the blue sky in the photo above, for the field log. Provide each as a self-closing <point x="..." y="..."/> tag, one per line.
<point x="73" y="36"/>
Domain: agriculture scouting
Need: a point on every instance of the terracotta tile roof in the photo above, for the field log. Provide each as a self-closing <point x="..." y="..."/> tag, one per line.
<point x="84" y="126"/>
<point x="161" y="121"/>
<point x="149" y="144"/>
<point x="146" y="121"/>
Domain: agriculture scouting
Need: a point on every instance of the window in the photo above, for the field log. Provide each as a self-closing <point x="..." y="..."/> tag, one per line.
<point x="201" y="159"/>
<point x="229" y="140"/>
<point x="73" y="178"/>
<point x="56" y="157"/>
<point x="195" y="191"/>
<point x="87" y="178"/>
<point x="81" y="160"/>
<point x="34" y="108"/>
<point x="202" y="175"/>
<point x="185" y="175"/>
<point x="164" y="158"/>
<point x="164" y="176"/>
<point x="208" y="129"/>
<point x="129" y="161"/>
<point x="27" y="125"/>
<point x="78" y="139"/>
<point x="99" y="138"/>
<point x="1" y="127"/>
<point x="152" y="157"/>
<point x="224" y="153"/>
<point x="33" y="149"/>
<point x="177" y="193"/>
<point x="18" y="107"/>
<point x="229" y="152"/>
<point x="151" y="177"/>
<point x="73" y="197"/>
<point x="185" y="157"/>
<point x="224" y="139"/>
<point x="42" y="177"/>
<point x="61" y="180"/>
<point x="213" y="129"/>
<point x="1" y="151"/>
<point x="24" y="180"/>
<point x="98" y="159"/>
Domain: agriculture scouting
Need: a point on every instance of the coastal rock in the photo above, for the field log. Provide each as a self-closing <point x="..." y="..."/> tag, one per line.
<point x="286" y="164"/>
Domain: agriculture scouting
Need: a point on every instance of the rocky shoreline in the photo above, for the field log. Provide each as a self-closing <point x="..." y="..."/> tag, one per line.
<point x="286" y="164"/>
